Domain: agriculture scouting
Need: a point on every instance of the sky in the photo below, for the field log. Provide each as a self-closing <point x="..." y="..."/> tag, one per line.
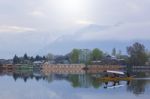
<point x="57" y="26"/>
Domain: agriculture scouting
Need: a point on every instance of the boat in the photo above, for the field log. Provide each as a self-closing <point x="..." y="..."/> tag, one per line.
<point x="114" y="79"/>
<point x="115" y="76"/>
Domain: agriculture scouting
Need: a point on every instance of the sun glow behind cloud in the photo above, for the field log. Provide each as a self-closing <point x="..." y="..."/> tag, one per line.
<point x="84" y="22"/>
<point x="68" y="11"/>
<point x="70" y="6"/>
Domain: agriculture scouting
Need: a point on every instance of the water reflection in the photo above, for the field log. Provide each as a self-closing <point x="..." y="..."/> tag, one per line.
<point x="78" y="82"/>
<point x="139" y="86"/>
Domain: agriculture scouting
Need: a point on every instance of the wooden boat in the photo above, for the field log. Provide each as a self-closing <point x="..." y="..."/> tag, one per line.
<point x="114" y="79"/>
<point x="117" y="76"/>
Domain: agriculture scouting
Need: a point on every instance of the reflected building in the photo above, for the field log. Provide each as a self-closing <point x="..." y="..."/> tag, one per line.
<point x="85" y="80"/>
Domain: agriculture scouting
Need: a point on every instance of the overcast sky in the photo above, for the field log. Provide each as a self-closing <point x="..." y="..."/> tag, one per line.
<point x="32" y="25"/>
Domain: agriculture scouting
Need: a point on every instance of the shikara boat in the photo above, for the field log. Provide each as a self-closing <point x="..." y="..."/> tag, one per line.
<point x="114" y="79"/>
<point x="117" y="76"/>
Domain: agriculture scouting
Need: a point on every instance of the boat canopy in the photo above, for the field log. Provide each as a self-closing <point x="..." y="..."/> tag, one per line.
<point x="115" y="72"/>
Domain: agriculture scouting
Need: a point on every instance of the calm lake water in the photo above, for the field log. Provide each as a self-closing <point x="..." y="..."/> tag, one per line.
<point x="37" y="85"/>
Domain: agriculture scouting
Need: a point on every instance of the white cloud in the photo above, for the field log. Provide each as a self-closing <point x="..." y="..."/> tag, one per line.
<point x="84" y="22"/>
<point x="15" y="29"/>
<point x="123" y="32"/>
<point x="56" y="20"/>
<point x="37" y="13"/>
<point x="134" y="7"/>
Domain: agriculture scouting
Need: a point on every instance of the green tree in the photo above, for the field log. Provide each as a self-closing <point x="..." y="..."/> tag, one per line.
<point x="114" y="51"/>
<point x="119" y="54"/>
<point x="96" y="54"/>
<point x="25" y="57"/>
<point x="137" y="54"/>
<point x="75" y="56"/>
<point x="50" y="56"/>
<point x="38" y="58"/>
<point x="32" y="59"/>
<point x="16" y="60"/>
<point x="44" y="58"/>
<point x="148" y="54"/>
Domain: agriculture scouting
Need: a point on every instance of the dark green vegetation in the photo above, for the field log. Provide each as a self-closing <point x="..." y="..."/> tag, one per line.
<point x="96" y="54"/>
<point x="27" y="59"/>
<point x="137" y="55"/>
<point x="75" y="56"/>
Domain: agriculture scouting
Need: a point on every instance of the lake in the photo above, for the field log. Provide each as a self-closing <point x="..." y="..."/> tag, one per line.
<point x="37" y="85"/>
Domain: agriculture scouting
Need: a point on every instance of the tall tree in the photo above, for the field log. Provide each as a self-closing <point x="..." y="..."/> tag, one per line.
<point x="25" y="57"/>
<point x="96" y="54"/>
<point x="119" y="54"/>
<point x="148" y="54"/>
<point x="44" y="58"/>
<point x="38" y="58"/>
<point x="32" y="59"/>
<point x="114" y="51"/>
<point x="75" y="56"/>
<point x="137" y="54"/>
<point x="16" y="60"/>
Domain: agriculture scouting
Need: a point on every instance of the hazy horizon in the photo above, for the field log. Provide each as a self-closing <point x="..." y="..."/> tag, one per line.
<point x="57" y="26"/>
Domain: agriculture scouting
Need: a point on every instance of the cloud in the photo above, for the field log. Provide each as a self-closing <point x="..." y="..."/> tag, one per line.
<point x="134" y="7"/>
<point x="15" y="29"/>
<point x="119" y="32"/>
<point x="56" y="21"/>
<point x="84" y="22"/>
<point x="38" y="14"/>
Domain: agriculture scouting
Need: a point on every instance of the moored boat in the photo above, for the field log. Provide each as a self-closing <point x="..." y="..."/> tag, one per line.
<point x="113" y="79"/>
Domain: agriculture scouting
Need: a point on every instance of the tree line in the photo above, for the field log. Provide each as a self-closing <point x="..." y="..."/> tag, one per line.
<point x="137" y="55"/>
<point x="25" y="59"/>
